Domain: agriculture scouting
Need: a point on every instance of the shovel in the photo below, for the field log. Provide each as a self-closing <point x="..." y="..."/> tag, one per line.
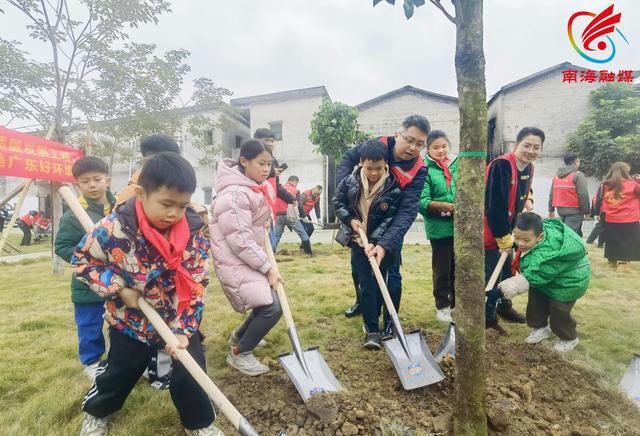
<point x="307" y="370"/>
<point x="232" y="414"/>
<point x="630" y="383"/>
<point x="409" y="353"/>
<point x="448" y="345"/>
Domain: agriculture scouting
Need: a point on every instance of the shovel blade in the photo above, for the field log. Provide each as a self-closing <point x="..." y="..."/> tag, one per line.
<point x="630" y="383"/>
<point x="417" y="368"/>
<point x="320" y="378"/>
<point x="448" y="345"/>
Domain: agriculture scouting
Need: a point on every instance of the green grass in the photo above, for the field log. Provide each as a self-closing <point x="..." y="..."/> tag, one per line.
<point x="35" y="247"/>
<point x="41" y="383"/>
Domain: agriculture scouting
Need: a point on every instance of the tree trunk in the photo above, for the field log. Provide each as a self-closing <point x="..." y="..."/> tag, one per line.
<point x="470" y="388"/>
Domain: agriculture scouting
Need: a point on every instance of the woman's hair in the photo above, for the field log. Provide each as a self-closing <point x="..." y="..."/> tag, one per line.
<point x="619" y="171"/>
<point x="436" y="134"/>
<point x="252" y="148"/>
<point x="526" y="131"/>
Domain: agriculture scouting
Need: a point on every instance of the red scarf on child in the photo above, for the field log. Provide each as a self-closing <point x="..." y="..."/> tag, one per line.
<point x="172" y="252"/>
<point x="264" y="189"/>
<point x="515" y="265"/>
<point x="445" y="168"/>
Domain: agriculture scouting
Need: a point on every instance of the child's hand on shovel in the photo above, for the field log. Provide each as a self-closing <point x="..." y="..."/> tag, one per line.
<point x="182" y="344"/>
<point x="273" y="276"/>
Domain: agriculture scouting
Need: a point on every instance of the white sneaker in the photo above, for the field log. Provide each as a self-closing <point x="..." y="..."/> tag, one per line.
<point x="565" y="346"/>
<point x="444" y="315"/>
<point x="538" y="335"/>
<point x="211" y="430"/>
<point x="90" y="371"/>
<point x="93" y="426"/>
<point x="234" y="341"/>
<point x="246" y="363"/>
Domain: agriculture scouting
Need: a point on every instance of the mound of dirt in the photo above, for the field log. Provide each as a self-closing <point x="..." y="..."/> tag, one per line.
<point x="530" y="390"/>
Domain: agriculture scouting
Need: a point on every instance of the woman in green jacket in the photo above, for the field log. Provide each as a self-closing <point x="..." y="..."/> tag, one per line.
<point x="437" y="205"/>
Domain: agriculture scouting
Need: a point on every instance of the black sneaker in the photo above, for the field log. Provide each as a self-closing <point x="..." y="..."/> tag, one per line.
<point x="389" y="331"/>
<point x="372" y="341"/>
<point x="353" y="310"/>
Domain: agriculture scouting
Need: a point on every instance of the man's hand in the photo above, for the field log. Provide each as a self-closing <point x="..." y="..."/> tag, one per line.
<point x="183" y="342"/>
<point x="356" y="226"/>
<point x="278" y="171"/>
<point x="130" y="297"/>
<point x="377" y="252"/>
<point x="273" y="277"/>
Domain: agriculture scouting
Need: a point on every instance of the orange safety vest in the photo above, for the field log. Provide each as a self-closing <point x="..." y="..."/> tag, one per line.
<point x="309" y="201"/>
<point x="625" y="209"/>
<point x="564" y="192"/>
<point x="281" y="205"/>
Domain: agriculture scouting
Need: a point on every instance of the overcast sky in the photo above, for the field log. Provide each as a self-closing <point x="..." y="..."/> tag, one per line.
<point x="359" y="52"/>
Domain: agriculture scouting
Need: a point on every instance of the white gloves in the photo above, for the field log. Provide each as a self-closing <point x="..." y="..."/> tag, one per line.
<point x="516" y="285"/>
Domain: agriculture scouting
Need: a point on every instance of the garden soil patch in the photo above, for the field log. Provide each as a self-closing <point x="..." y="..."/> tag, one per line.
<point x="531" y="390"/>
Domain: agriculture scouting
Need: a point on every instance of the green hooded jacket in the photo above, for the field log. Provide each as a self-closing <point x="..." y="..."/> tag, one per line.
<point x="69" y="235"/>
<point x="558" y="265"/>
<point x="435" y="189"/>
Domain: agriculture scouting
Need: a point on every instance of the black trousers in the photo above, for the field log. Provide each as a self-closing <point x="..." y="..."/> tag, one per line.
<point x="26" y="233"/>
<point x="371" y="300"/>
<point x="126" y="361"/>
<point x="442" y="267"/>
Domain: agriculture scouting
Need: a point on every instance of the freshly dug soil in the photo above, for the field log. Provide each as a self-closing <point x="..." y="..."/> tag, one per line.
<point x="531" y="390"/>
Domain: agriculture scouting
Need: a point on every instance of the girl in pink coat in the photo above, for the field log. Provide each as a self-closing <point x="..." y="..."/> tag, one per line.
<point x="241" y="214"/>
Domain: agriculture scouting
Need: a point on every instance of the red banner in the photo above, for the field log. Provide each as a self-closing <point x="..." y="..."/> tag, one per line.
<point x="32" y="157"/>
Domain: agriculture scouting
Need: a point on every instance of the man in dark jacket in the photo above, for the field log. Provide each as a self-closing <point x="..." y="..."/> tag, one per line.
<point x="403" y="157"/>
<point x="569" y="194"/>
<point x="369" y="199"/>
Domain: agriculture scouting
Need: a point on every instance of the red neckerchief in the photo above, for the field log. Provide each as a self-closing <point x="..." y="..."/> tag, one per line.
<point x="264" y="189"/>
<point x="172" y="251"/>
<point x="445" y="168"/>
<point x="515" y="265"/>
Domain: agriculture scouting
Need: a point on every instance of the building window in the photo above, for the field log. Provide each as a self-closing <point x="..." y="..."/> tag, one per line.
<point x="208" y="137"/>
<point x="276" y="128"/>
<point x="238" y="141"/>
<point x="208" y="195"/>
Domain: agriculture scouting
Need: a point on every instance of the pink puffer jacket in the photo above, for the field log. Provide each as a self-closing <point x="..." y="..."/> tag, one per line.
<point x="239" y="217"/>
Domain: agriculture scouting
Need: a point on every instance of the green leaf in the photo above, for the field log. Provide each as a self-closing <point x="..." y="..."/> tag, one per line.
<point x="408" y="9"/>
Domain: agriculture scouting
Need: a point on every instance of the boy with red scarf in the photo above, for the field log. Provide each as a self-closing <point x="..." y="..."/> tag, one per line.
<point x="151" y="246"/>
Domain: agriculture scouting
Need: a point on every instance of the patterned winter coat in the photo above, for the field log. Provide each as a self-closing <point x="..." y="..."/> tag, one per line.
<point x="237" y="229"/>
<point x="116" y="255"/>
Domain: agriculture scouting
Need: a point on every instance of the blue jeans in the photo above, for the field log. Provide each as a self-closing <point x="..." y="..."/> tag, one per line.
<point x="281" y="222"/>
<point x="90" y="339"/>
<point x="272" y="237"/>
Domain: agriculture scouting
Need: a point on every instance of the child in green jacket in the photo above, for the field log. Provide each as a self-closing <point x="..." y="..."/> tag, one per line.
<point x="92" y="180"/>
<point x="437" y="206"/>
<point x="553" y="267"/>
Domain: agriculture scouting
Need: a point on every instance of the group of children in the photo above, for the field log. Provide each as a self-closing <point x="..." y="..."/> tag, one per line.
<point x="152" y="243"/>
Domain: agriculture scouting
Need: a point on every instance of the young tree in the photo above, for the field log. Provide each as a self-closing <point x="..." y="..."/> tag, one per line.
<point x="470" y="391"/>
<point x="77" y="42"/>
<point x="611" y="132"/>
<point x="335" y="128"/>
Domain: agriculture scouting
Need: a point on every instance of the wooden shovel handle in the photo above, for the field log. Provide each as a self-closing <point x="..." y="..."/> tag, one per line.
<point x="496" y="271"/>
<point x="282" y="295"/>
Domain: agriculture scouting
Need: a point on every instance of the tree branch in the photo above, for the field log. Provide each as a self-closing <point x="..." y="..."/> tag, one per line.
<point x="450" y="17"/>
